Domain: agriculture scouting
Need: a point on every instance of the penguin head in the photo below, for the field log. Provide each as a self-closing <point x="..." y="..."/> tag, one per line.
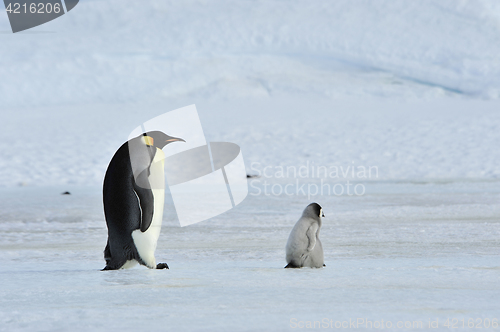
<point x="314" y="210"/>
<point x="159" y="139"/>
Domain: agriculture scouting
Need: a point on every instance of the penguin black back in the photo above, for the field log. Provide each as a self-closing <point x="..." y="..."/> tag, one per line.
<point x="122" y="210"/>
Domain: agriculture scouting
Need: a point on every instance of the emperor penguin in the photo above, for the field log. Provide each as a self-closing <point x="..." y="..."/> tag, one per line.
<point x="304" y="248"/>
<point x="133" y="197"/>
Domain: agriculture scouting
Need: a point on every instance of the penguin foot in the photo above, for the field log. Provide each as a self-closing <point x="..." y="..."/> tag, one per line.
<point x="292" y="266"/>
<point x="161" y="266"/>
<point x="324" y="264"/>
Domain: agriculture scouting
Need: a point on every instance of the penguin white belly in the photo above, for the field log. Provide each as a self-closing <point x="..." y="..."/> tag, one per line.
<point x="145" y="242"/>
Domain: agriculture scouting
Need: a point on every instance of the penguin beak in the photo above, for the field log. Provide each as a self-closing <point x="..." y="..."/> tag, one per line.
<point x="322" y="215"/>
<point x="174" y="139"/>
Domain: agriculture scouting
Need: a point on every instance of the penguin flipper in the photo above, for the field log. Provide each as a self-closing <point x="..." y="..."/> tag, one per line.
<point x="146" y="200"/>
<point x="311" y="236"/>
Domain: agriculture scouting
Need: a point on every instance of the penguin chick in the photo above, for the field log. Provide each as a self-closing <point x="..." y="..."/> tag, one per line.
<point x="304" y="248"/>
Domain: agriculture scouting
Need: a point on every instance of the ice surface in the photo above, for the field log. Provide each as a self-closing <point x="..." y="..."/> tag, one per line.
<point x="405" y="252"/>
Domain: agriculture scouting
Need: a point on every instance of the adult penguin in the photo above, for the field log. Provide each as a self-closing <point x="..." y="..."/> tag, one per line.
<point x="133" y="197"/>
<point x="304" y="248"/>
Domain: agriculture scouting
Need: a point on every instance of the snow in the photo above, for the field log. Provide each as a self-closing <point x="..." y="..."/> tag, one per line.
<point x="432" y="140"/>
<point x="126" y="51"/>
<point x="411" y="89"/>
<point x="405" y="252"/>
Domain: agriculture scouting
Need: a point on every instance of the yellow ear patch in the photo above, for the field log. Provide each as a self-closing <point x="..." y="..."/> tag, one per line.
<point x="149" y="140"/>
